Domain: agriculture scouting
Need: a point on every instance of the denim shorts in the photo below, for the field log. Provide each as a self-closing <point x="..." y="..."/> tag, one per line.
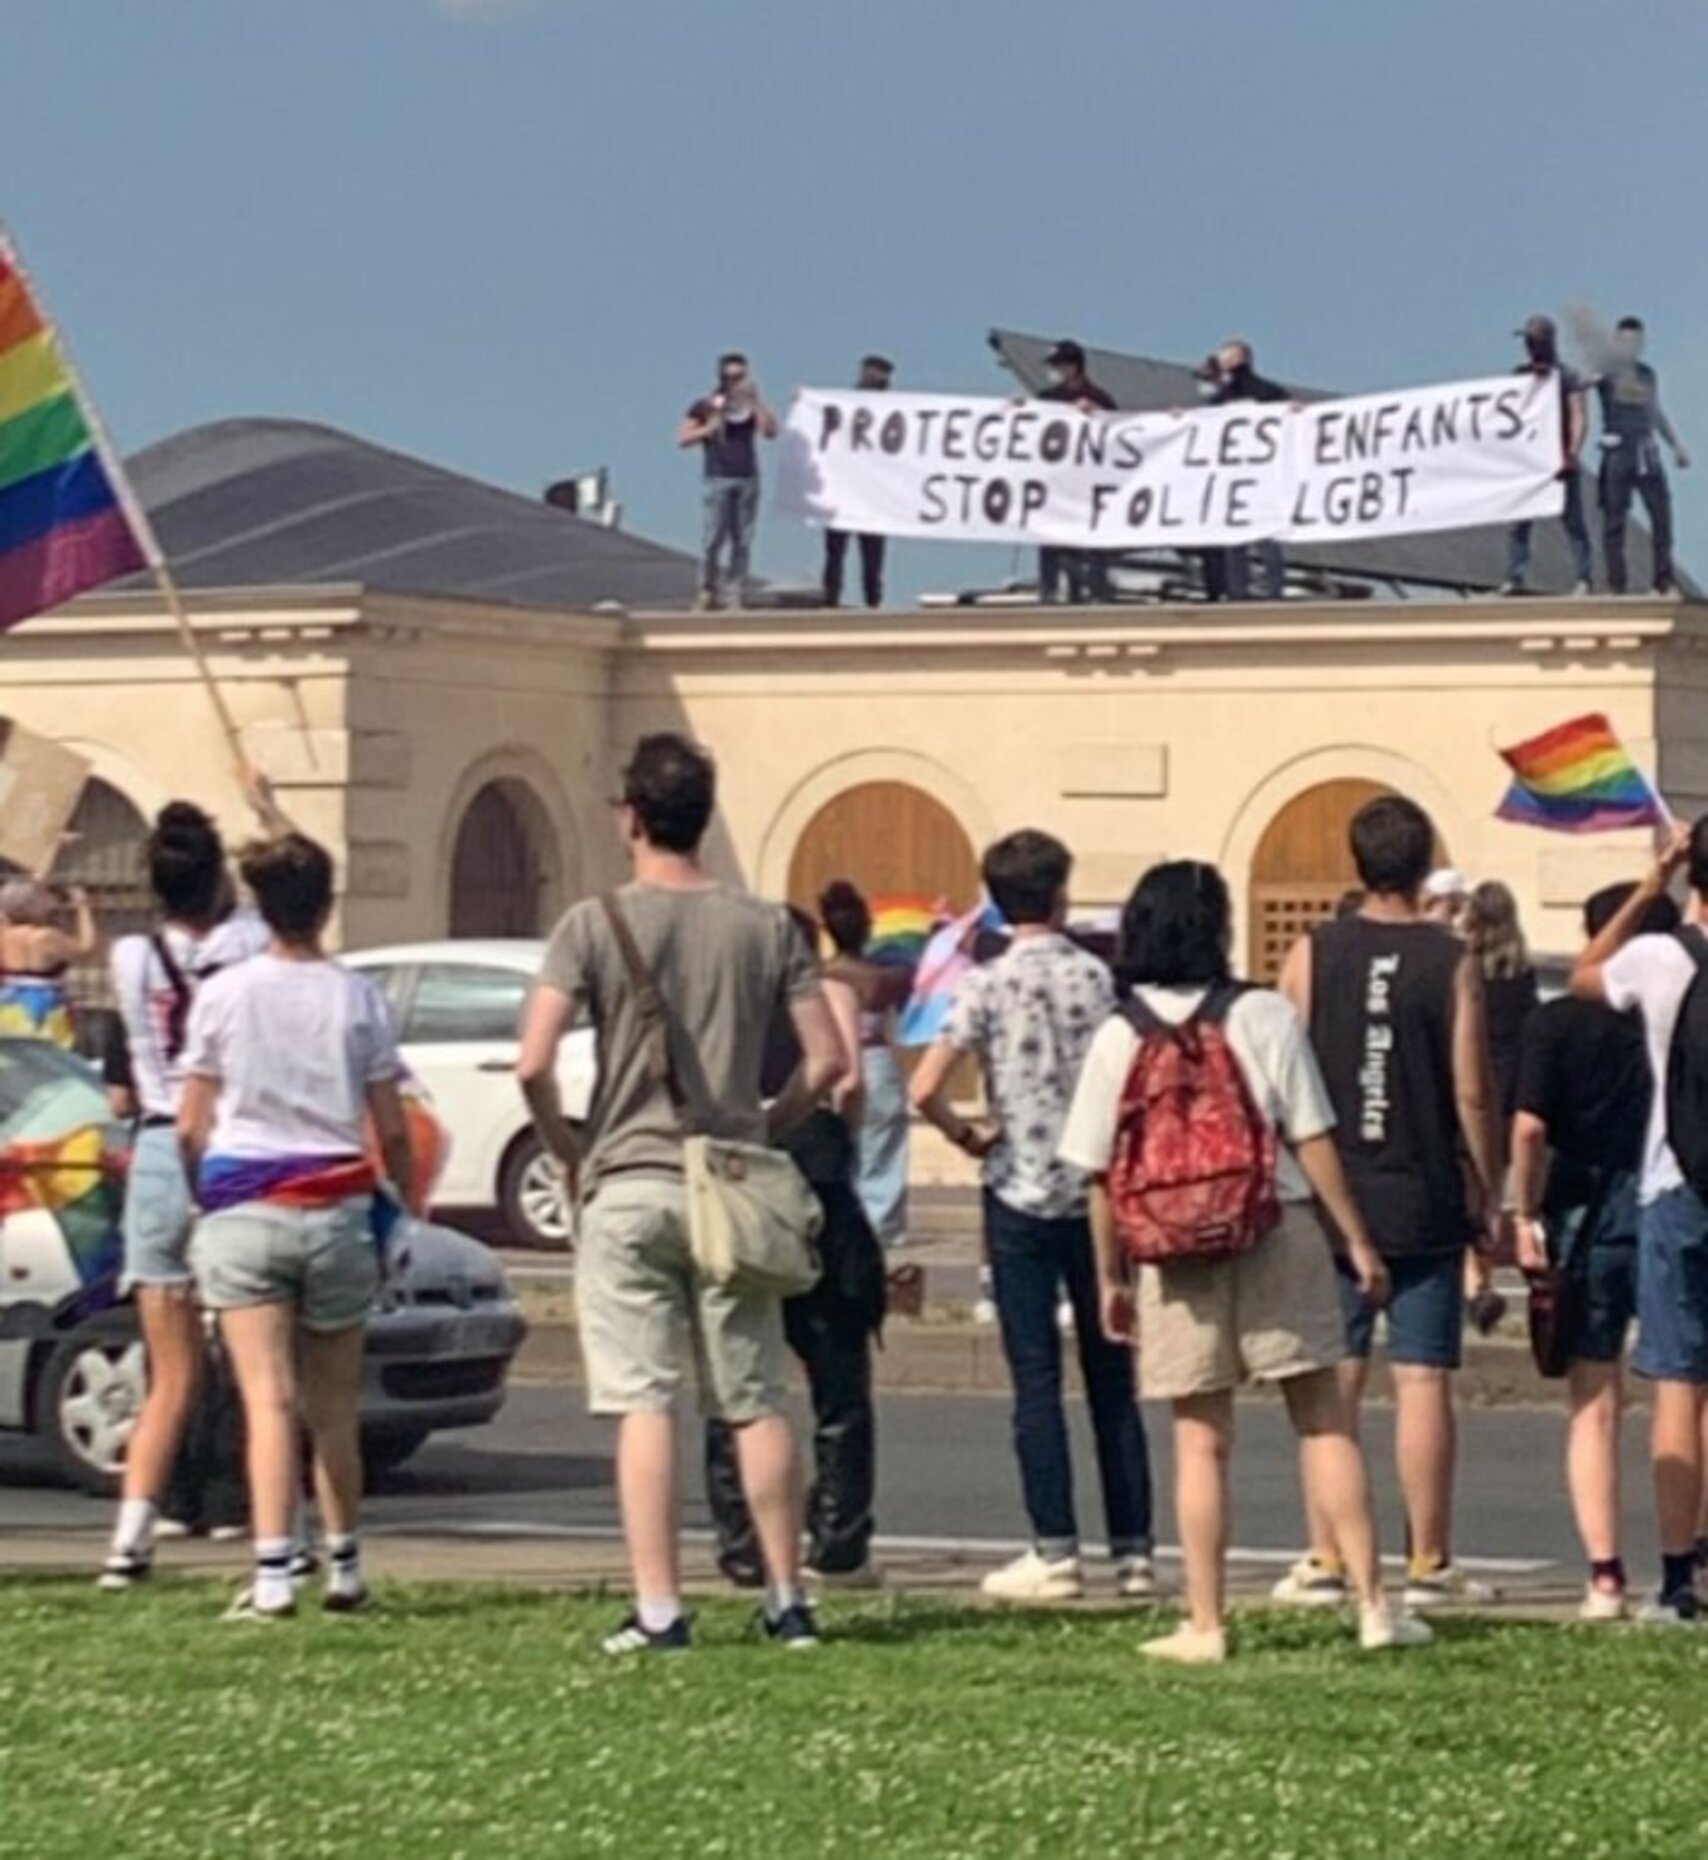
<point x="1425" y="1314"/>
<point x="157" y="1212"/>
<point x="321" y="1260"/>
<point x="1672" y="1289"/>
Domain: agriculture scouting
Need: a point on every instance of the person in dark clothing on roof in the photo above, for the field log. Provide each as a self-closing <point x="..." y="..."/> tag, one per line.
<point x="876" y="373"/>
<point x="1077" y="576"/>
<point x="1632" y="426"/>
<point x="1227" y="377"/>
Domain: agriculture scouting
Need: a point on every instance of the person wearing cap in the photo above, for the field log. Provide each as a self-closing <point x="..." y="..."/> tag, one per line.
<point x="1083" y="572"/>
<point x="1231" y="375"/>
<point x="876" y="373"/>
<point x="1542" y="357"/>
<point x="1633" y="424"/>
<point x="1446" y="892"/>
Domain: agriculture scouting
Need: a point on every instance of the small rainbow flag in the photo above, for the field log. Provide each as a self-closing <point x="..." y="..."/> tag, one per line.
<point x="1579" y="778"/>
<point x="948" y="957"/>
<point x="64" y="522"/>
<point x="901" y="927"/>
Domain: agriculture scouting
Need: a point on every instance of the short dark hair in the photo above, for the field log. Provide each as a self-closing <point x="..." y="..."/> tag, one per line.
<point x="847" y="916"/>
<point x="1697" y="865"/>
<point x="1175" y="928"/>
<point x="671" y="784"/>
<point x="731" y="358"/>
<point x="1025" y="873"/>
<point x="878" y="364"/>
<point x="1630" y="322"/>
<point x="291" y="877"/>
<point x="1660" y="916"/>
<point x="186" y="863"/>
<point x="1393" y="845"/>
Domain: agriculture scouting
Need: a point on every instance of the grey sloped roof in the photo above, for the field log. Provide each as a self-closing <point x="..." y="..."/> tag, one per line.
<point x="1447" y="558"/>
<point x="261" y="502"/>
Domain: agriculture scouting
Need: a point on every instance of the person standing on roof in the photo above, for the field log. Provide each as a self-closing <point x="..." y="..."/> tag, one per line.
<point x="1632" y="426"/>
<point x="1083" y="573"/>
<point x="1542" y="351"/>
<point x="876" y="373"/>
<point x="728" y="424"/>
<point x="1232" y="377"/>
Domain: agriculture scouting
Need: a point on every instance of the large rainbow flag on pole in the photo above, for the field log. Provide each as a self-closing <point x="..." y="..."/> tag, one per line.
<point x="67" y="518"/>
<point x="1579" y="778"/>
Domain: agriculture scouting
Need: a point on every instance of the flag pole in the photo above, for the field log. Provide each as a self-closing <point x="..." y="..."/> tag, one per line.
<point x="135" y="514"/>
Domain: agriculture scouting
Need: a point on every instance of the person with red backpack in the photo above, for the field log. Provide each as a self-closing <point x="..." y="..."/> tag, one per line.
<point x="1204" y="1124"/>
<point x="1662" y="977"/>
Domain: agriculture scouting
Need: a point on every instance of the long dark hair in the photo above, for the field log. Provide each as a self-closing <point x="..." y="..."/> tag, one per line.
<point x="1175" y="929"/>
<point x="847" y="916"/>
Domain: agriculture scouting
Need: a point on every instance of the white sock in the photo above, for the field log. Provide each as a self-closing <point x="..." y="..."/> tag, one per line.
<point x="343" y="1564"/>
<point x="780" y="1597"/>
<point x="133" y="1535"/>
<point x="658" y="1612"/>
<point x="273" y="1572"/>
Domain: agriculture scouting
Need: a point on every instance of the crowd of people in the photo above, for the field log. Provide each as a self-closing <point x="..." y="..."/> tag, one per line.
<point x="728" y="423"/>
<point x="1221" y="1183"/>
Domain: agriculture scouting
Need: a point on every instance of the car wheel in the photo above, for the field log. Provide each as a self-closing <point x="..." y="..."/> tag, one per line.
<point x="90" y="1396"/>
<point x="384" y="1453"/>
<point x="530" y="1194"/>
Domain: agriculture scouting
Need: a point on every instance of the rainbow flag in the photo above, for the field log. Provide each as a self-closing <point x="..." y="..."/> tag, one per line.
<point x="948" y="957"/>
<point x="1579" y="778"/>
<point x="64" y="525"/>
<point x="901" y="927"/>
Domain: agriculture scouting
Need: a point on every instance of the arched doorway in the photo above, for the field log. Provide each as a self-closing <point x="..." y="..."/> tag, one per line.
<point x="505" y="868"/>
<point x="892" y="840"/>
<point x="1302" y="867"/>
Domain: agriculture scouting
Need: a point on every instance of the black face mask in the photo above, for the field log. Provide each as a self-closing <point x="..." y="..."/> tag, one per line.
<point x="1541" y="349"/>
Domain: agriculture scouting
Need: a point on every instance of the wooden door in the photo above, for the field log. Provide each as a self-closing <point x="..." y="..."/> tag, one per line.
<point x="890" y="839"/>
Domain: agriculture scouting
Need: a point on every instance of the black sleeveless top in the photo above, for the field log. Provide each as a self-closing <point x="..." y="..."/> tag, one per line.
<point x="1382" y="1026"/>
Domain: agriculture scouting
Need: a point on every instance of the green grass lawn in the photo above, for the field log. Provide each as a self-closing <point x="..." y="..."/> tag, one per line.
<point x="483" y="1722"/>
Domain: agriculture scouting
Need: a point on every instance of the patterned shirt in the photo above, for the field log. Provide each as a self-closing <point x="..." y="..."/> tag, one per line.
<point x="1030" y="1017"/>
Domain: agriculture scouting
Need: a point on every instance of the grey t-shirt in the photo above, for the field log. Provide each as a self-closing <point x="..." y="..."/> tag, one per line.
<point x="724" y="962"/>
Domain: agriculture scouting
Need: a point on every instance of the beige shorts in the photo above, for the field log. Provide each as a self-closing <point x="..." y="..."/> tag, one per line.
<point x="644" y="1310"/>
<point x="1268" y="1315"/>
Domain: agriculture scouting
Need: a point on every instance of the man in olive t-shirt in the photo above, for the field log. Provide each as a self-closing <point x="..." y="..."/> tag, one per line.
<point x="723" y="964"/>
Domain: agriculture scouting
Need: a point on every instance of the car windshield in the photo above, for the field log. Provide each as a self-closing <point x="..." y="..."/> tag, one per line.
<point x="46" y="1093"/>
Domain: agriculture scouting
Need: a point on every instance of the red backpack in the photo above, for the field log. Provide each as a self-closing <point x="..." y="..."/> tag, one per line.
<point x="1193" y="1171"/>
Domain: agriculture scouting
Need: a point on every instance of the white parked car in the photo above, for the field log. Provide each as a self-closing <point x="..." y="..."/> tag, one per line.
<point x="457" y="1005"/>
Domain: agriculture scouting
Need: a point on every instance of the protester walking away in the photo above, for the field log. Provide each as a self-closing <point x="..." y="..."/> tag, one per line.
<point x="1495" y="937"/>
<point x="1029" y="1019"/>
<point x="682" y="978"/>
<point x="1394" y="1005"/>
<point x="1542" y="352"/>
<point x="1076" y="576"/>
<point x="1660" y="977"/>
<point x="1583" y="1098"/>
<point x="876" y="374"/>
<point x="727" y="425"/>
<point x="36" y="955"/>
<point x="882" y="991"/>
<point x="1632" y="426"/>
<point x="1233" y="377"/>
<point x="290" y="1058"/>
<point x="1204" y="1126"/>
<point x="830" y="1329"/>
<point x="155" y="981"/>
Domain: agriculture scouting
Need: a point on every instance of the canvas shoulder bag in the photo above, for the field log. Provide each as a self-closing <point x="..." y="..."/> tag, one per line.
<point x="753" y="1222"/>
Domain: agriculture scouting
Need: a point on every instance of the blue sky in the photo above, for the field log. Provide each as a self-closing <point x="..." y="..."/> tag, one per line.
<point x="511" y="235"/>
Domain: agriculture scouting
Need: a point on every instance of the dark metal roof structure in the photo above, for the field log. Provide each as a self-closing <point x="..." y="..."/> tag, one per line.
<point x="1465" y="559"/>
<point x="261" y="502"/>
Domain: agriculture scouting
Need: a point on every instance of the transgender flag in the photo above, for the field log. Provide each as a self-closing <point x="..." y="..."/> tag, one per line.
<point x="64" y="510"/>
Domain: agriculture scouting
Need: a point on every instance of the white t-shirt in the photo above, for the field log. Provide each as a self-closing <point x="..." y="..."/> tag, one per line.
<point x="1269" y="1043"/>
<point x="1653" y="973"/>
<point x="295" y="1046"/>
<point x="146" y="997"/>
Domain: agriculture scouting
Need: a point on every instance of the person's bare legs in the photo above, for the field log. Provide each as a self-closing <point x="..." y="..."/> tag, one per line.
<point x="1676" y="1453"/>
<point x="765" y="1453"/>
<point x="1336" y="1476"/>
<point x="646" y="1498"/>
<point x="261" y="1342"/>
<point x="177" y="1355"/>
<point x="1596" y="1402"/>
<point x="1203" y="1445"/>
<point x="1351" y="1375"/>
<point x="1424" y="1449"/>
<point x="331" y="1383"/>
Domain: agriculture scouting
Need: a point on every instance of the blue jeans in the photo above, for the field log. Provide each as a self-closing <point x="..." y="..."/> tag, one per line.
<point x="1577" y="534"/>
<point x="1032" y="1260"/>
<point x="1672" y="1289"/>
<point x="731" y="515"/>
<point x="1628" y="472"/>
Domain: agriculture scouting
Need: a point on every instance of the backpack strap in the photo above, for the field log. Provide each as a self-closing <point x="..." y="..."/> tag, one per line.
<point x="1694" y="944"/>
<point x="178" y="1015"/>
<point x="1213" y="1009"/>
<point x="1219" y="1000"/>
<point x="649" y="1003"/>
<point x="1142" y="1018"/>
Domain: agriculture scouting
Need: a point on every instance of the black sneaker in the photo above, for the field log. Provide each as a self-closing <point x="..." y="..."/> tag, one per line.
<point x="631" y="1637"/>
<point x="124" y="1569"/>
<point x="357" y="1601"/>
<point x="794" y="1628"/>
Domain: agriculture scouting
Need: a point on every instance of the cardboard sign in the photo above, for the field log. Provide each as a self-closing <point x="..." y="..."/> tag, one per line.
<point x="40" y="782"/>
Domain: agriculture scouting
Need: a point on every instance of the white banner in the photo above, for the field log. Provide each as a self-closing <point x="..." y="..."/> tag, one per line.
<point x="981" y="470"/>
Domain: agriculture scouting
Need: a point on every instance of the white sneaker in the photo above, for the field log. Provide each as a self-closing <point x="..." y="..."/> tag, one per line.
<point x="1135" y="1579"/>
<point x="169" y="1530"/>
<point x="1189" y="1646"/>
<point x="1310" y="1584"/>
<point x="1668" y="1611"/>
<point x="228" y="1533"/>
<point x="1446" y="1587"/>
<point x="1602" y="1604"/>
<point x="1064" y="1317"/>
<point x="1033" y="1578"/>
<point x="984" y="1312"/>
<point x="1385" y="1627"/>
<point x="1580" y="589"/>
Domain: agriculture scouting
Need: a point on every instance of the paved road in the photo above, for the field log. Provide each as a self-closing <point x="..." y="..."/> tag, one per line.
<point x="947" y="1474"/>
